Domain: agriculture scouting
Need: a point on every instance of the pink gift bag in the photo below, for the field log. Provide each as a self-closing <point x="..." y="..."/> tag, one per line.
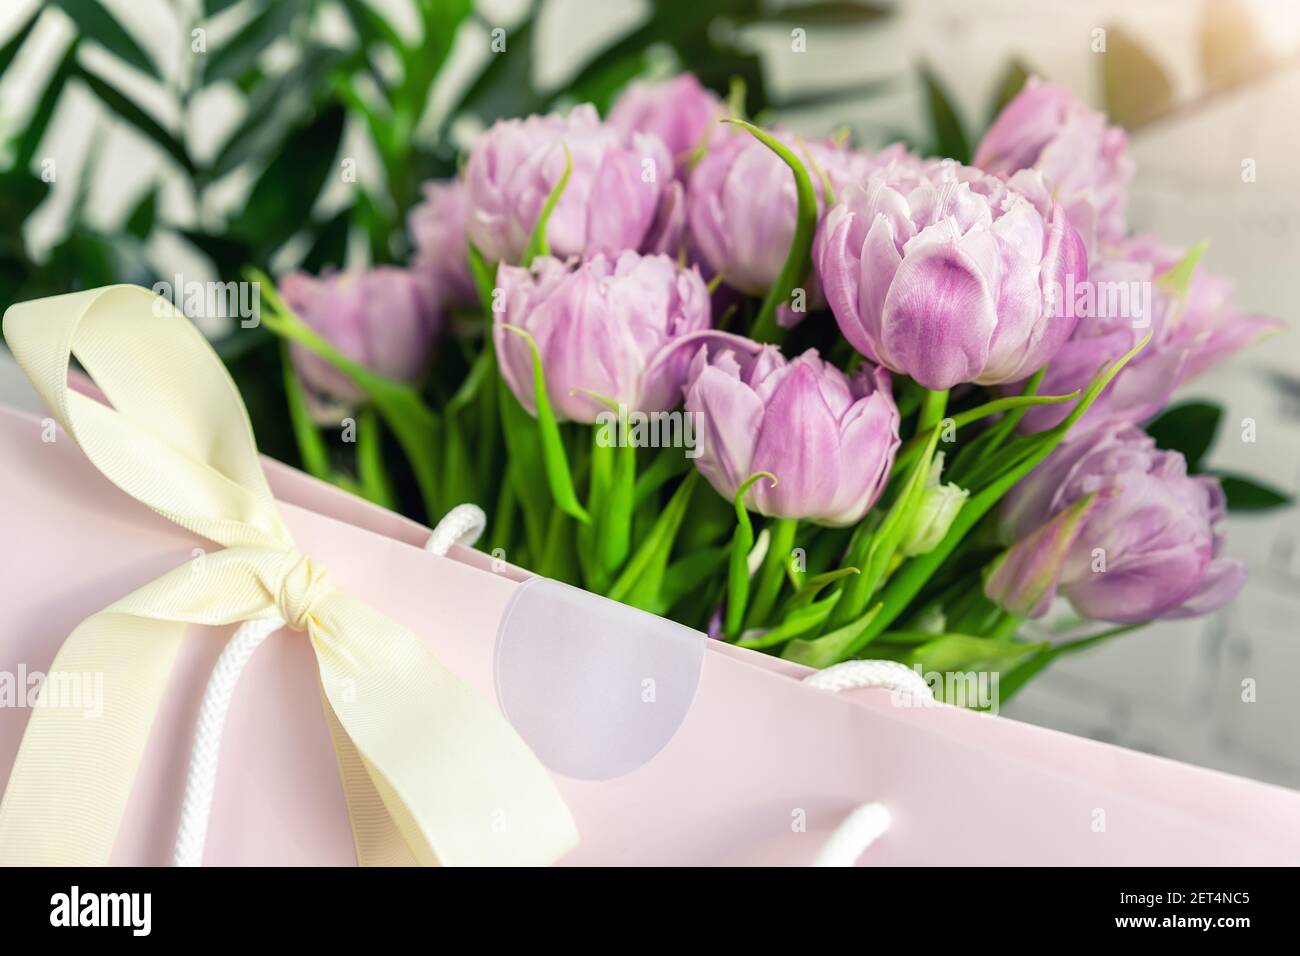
<point x="666" y="747"/>
<point x="752" y="765"/>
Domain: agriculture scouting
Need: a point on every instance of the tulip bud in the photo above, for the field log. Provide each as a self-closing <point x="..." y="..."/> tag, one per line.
<point x="741" y="202"/>
<point x="1129" y="299"/>
<point x="384" y="318"/>
<point x="609" y="327"/>
<point x="1119" y="528"/>
<point x="934" y="514"/>
<point x="437" y="228"/>
<point x="828" y="437"/>
<point x="948" y="275"/>
<point x="1085" y="163"/>
<point x="679" y="111"/>
<point x="609" y="204"/>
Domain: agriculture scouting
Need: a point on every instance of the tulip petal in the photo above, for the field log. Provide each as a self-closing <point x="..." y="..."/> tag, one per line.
<point x="939" y="315"/>
<point x="1025" y="577"/>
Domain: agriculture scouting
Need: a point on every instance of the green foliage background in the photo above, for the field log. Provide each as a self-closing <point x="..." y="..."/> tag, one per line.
<point x="299" y="103"/>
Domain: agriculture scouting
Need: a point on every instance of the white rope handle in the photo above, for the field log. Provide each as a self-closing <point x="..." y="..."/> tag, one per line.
<point x="865" y="825"/>
<point x="200" y="782"/>
<point x="462" y="525"/>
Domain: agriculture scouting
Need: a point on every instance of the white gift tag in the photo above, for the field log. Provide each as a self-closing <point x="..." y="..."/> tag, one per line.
<point x="595" y="687"/>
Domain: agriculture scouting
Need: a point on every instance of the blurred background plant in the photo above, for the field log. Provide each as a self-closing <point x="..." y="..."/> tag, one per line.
<point x="347" y="107"/>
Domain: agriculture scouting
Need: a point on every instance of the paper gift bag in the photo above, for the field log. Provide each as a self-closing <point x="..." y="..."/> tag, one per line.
<point x="666" y="748"/>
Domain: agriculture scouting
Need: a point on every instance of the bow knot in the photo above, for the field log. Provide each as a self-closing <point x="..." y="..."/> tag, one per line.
<point x="302" y="586"/>
<point x="426" y="762"/>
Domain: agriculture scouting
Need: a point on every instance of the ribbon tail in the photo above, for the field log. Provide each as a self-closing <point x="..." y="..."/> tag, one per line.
<point x="460" y="785"/>
<point x="375" y="835"/>
<point x="77" y="762"/>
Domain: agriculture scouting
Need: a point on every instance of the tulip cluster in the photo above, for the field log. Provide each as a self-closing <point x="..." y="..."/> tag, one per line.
<point x="909" y="372"/>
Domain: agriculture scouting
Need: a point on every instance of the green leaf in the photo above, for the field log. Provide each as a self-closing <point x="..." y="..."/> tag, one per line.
<point x="283" y="196"/>
<point x="124" y="109"/>
<point x="742" y="542"/>
<point x="773" y="572"/>
<point x="1188" y="428"/>
<point x="371" y="26"/>
<point x="814" y="586"/>
<point x="505" y="87"/>
<point x="833" y="647"/>
<point x="961" y="652"/>
<point x="799" y="621"/>
<point x="329" y="248"/>
<point x="554" y="459"/>
<point x="524" y="454"/>
<point x="1014" y="681"/>
<point x="29" y="142"/>
<point x="1178" y="277"/>
<point x="949" y="136"/>
<point x="139" y="222"/>
<point x="97" y="24"/>
<point x="311" y="446"/>
<point x="1013" y="467"/>
<point x="913" y="447"/>
<point x="441" y="21"/>
<point x="1013" y="81"/>
<point x="686" y="574"/>
<point x="667" y="465"/>
<point x="601" y="88"/>
<point x="881" y="545"/>
<point x="15" y="42"/>
<point x="241" y="52"/>
<point x="372" y="476"/>
<point x="484" y="275"/>
<point x="537" y="244"/>
<point x="616" y="522"/>
<point x="794" y="271"/>
<point x="641" y="582"/>
<point x="275" y="106"/>
<point x="1246" y="494"/>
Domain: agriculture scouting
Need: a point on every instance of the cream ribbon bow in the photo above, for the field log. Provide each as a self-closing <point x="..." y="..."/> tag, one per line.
<point x="430" y="769"/>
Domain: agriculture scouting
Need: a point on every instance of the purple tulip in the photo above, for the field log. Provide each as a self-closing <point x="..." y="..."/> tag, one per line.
<point x="611" y="327"/>
<point x="437" y="228"/>
<point x="1084" y="162"/>
<point x="946" y="274"/>
<point x="828" y="437"/>
<point x="679" y="111"/>
<point x="383" y="318"/>
<point x="1127" y="299"/>
<point x="609" y="205"/>
<point x="741" y="203"/>
<point x="1117" y="527"/>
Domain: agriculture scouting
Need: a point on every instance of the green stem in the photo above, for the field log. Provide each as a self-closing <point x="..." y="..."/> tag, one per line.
<point x="933" y="405"/>
<point x="311" y="446"/>
<point x="908" y="582"/>
<point x="772" y="573"/>
<point x="1015" y="405"/>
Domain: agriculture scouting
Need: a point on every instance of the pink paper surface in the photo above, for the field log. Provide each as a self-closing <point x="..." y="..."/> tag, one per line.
<point x="756" y="754"/>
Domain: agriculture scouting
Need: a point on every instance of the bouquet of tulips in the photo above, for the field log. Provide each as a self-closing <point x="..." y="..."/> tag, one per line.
<point x="820" y="401"/>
